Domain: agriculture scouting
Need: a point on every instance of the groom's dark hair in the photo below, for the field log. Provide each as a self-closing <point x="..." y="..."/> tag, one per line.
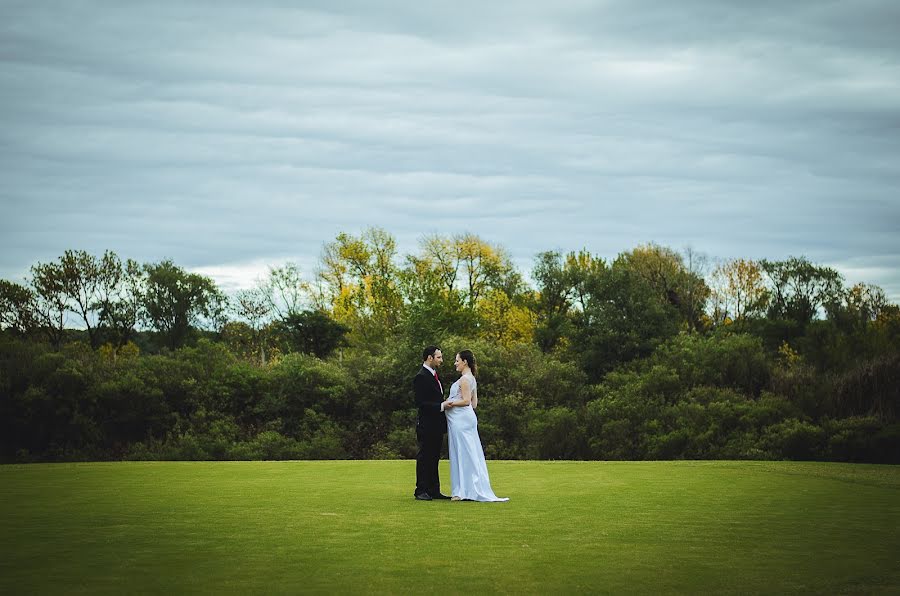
<point x="429" y="351"/>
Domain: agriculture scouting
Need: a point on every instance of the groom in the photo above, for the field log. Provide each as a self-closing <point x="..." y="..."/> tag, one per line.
<point x="431" y="425"/>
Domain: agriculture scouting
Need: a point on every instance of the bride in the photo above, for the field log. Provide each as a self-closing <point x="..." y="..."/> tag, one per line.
<point x="468" y="470"/>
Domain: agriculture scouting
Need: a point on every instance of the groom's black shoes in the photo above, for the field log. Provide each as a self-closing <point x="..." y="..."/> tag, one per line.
<point x="429" y="497"/>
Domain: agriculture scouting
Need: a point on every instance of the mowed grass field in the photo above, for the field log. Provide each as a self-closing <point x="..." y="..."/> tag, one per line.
<point x="570" y="527"/>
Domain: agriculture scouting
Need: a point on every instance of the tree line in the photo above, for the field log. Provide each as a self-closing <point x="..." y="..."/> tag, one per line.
<point x="656" y="354"/>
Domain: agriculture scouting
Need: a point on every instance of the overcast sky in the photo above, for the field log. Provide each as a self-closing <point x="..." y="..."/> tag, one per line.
<point x="232" y="136"/>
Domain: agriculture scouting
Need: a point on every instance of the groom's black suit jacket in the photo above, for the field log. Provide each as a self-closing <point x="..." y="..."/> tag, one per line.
<point x="428" y="398"/>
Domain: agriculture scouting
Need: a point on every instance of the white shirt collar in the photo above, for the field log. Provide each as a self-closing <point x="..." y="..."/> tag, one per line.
<point x="431" y="370"/>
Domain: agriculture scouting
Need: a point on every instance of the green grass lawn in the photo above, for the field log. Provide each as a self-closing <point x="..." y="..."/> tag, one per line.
<point x="288" y="527"/>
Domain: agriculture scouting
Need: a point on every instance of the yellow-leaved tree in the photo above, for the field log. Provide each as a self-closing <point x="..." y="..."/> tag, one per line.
<point x="739" y="291"/>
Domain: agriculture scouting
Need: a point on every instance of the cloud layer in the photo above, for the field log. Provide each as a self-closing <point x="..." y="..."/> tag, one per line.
<point x="228" y="136"/>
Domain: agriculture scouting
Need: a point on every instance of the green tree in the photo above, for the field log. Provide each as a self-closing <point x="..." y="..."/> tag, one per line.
<point x="799" y="290"/>
<point x="860" y="307"/>
<point x="51" y="301"/>
<point x="434" y="306"/>
<point x="562" y="294"/>
<point x="285" y="290"/>
<point x="312" y="332"/>
<point x="623" y="319"/>
<point x="87" y="282"/>
<point x="553" y="300"/>
<point x="176" y="301"/>
<point x="16" y="307"/>
<point x="253" y="306"/>
<point x="123" y="306"/>
<point x="673" y="283"/>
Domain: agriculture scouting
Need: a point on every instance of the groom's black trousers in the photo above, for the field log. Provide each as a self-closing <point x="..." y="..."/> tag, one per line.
<point x="430" y="442"/>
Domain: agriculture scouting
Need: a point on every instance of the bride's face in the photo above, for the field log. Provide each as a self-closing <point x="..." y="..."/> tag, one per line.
<point x="459" y="363"/>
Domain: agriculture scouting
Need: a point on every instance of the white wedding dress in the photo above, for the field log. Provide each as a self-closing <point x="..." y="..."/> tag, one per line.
<point x="468" y="470"/>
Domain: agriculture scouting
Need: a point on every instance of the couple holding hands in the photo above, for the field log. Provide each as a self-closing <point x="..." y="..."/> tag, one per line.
<point x="455" y="416"/>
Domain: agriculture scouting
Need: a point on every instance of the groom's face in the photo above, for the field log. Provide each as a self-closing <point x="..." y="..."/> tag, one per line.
<point x="436" y="360"/>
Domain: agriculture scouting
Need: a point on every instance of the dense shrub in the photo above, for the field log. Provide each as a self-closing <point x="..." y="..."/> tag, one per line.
<point x="718" y="396"/>
<point x="795" y="439"/>
<point x="556" y="433"/>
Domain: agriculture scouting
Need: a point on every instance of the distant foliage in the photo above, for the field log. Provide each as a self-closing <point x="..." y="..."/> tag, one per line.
<point x="652" y="355"/>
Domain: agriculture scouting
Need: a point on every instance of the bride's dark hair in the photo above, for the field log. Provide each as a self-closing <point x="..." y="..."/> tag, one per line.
<point x="469" y="357"/>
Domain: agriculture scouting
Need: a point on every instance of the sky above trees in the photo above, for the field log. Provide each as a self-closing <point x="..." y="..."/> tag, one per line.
<point x="230" y="137"/>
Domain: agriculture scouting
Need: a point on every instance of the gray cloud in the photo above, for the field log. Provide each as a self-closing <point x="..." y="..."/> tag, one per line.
<point x="227" y="136"/>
